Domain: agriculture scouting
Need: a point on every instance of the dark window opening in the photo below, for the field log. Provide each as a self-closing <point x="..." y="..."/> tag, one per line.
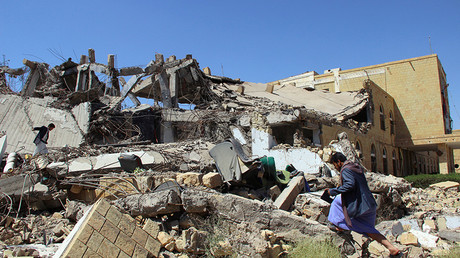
<point x="382" y="119"/>
<point x="284" y="134"/>
<point x="362" y="116"/>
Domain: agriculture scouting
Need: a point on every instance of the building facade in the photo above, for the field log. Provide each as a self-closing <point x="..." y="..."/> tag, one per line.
<point x="411" y="127"/>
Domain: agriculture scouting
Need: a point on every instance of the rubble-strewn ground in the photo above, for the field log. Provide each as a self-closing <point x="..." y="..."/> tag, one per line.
<point x="228" y="219"/>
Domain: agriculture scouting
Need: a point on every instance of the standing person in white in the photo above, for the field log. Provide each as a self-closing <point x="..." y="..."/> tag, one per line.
<point x="42" y="138"/>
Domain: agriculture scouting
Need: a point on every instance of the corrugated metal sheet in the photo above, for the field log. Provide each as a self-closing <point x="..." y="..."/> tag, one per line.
<point x="18" y="116"/>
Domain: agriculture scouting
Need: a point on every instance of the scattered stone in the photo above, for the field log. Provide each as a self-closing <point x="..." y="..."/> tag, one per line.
<point x="446" y="185"/>
<point x="408" y="238"/>
<point x="190" y="179"/>
<point x="212" y="180"/>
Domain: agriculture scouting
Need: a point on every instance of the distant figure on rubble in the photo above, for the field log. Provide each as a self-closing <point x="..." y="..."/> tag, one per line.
<point x="42" y="138"/>
<point x="354" y="207"/>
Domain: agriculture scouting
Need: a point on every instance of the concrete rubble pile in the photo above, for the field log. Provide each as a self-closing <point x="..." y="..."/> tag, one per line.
<point x="163" y="181"/>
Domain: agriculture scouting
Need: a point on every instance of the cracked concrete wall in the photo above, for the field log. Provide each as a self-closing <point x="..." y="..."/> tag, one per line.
<point x="302" y="158"/>
<point x="19" y="115"/>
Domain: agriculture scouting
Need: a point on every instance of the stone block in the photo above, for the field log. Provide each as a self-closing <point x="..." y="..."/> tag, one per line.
<point x="85" y="233"/>
<point x="189" y="178"/>
<point x="289" y="194"/>
<point x="152" y="228"/>
<point x="116" y="187"/>
<point x="429" y="225"/>
<point x="108" y="249"/>
<point x="127" y="224"/>
<point x="376" y="249"/>
<point x="153" y="246"/>
<point x="140" y="251"/>
<point x="109" y="231"/>
<point x="96" y="221"/>
<point x="170" y="246"/>
<point x="76" y="250"/>
<point x="274" y="192"/>
<point x="441" y="221"/>
<point x="270" y="88"/>
<point x="125" y="243"/>
<point x="124" y="255"/>
<point x="91" y="254"/>
<point x="164" y="238"/>
<point x="102" y="206"/>
<point x="407" y="238"/>
<point x="397" y="229"/>
<point x="113" y="215"/>
<point x="212" y="180"/>
<point x="95" y="241"/>
<point x="140" y="236"/>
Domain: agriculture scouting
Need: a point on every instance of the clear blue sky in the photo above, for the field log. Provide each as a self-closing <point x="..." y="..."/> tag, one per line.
<point x="257" y="41"/>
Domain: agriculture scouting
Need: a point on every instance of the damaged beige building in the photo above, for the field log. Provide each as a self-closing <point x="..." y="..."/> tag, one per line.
<point x="411" y="130"/>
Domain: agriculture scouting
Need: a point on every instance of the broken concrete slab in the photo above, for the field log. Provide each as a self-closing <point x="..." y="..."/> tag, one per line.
<point x="104" y="162"/>
<point x="151" y="204"/>
<point x="21" y="115"/>
<point x="14" y="185"/>
<point x="289" y="194"/>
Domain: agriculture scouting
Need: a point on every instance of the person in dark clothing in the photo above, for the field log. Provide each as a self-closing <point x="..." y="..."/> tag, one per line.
<point x="42" y="138"/>
<point x="354" y="207"/>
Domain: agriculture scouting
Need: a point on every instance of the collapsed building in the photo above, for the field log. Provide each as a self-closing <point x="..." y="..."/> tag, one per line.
<point x="247" y="139"/>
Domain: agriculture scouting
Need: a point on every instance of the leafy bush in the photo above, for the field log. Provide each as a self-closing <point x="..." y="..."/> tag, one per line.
<point x="424" y="181"/>
<point x="311" y="248"/>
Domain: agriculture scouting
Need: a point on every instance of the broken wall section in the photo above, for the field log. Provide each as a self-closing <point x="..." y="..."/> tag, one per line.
<point x="20" y="115"/>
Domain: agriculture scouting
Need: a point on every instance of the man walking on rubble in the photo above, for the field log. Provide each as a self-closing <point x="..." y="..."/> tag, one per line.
<point x="354" y="207"/>
<point x="42" y="138"/>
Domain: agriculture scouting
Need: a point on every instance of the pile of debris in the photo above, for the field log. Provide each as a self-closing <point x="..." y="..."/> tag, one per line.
<point x="186" y="208"/>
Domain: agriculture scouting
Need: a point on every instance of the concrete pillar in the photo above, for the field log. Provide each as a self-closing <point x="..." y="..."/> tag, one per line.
<point x="164" y="87"/>
<point x="83" y="59"/>
<point x="167" y="132"/>
<point x="92" y="55"/>
<point x="111" y="61"/>
<point x="270" y="88"/>
<point x="159" y="59"/>
<point x="173" y="88"/>
<point x="445" y="159"/>
<point x="336" y="80"/>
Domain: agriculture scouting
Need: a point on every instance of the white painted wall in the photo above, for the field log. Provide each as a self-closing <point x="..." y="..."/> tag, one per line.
<point x="301" y="158"/>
